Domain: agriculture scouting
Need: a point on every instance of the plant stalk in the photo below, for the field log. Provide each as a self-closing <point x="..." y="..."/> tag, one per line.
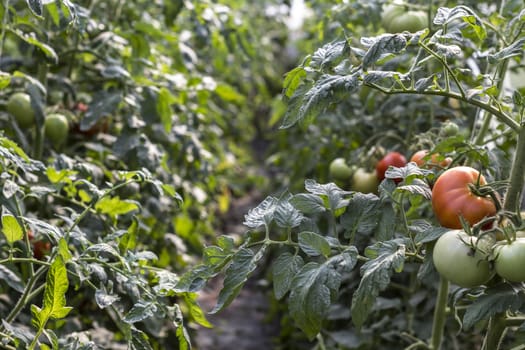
<point x="495" y="333"/>
<point x="440" y="312"/>
<point x="517" y="175"/>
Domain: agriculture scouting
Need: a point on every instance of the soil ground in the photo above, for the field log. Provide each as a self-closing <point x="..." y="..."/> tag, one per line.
<point x="246" y="323"/>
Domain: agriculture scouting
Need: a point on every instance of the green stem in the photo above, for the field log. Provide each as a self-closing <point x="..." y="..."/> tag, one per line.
<point x="4" y="26"/>
<point x="517" y="175"/>
<point x="24" y="298"/>
<point x="502" y="116"/>
<point x="440" y="312"/>
<point x="495" y="333"/>
<point x="39" y="130"/>
<point x="448" y="71"/>
<point x="499" y="77"/>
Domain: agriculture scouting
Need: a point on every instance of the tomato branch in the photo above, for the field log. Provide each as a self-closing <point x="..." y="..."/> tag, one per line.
<point x="498" y="113"/>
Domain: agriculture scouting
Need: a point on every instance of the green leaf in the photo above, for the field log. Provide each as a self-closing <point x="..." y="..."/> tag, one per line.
<point x="103" y="104"/>
<point x="60" y="12"/>
<point x="45" y="228"/>
<point x="329" y="55"/>
<point x="10" y="188"/>
<point x="139" y="340"/>
<point x="327" y="90"/>
<point x="514" y="49"/>
<point x="20" y="332"/>
<point x="331" y="191"/>
<point x="287" y="216"/>
<point x="59" y="176"/>
<point x="195" y="279"/>
<point x="103" y="248"/>
<point x="362" y="214"/>
<point x="474" y="27"/>
<point x="63" y="250"/>
<point x="54" y="304"/>
<point x="46" y="49"/>
<point x="387" y="257"/>
<point x="36" y="7"/>
<point x="308" y="203"/>
<point x="261" y="215"/>
<point x="284" y="269"/>
<point x="11" y="278"/>
<point x="417" y="187"/>
<point x="5" y="80"/>
<point x="140" y="311"/>
<point x="313" y="244"/>
<point x="244" y="262"/>
<point x="292" y="80"/>
<point x="11" y="151"/>
<point x="164" y="101"/>
<point x="195" y="310"/>
<point x="386" y="227"/>
<point x="429" y="233"/>
<point x="11" y="229"/>
<point x="381" y="46"/>
<point x="104" y="299"/>
<point x="229" y="94"/>
<point x="184" y="337"/>
<point x="314" y="288"/>
<point x="114" y="206"/>
<point x="502" y="298"/>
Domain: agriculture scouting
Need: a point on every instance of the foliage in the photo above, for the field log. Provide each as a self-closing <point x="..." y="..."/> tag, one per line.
<point x="356" y="269"/>
<point x="158" y="145"/>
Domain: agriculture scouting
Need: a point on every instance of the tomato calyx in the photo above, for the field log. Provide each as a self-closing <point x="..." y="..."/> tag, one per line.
<point x="484" y="191"/>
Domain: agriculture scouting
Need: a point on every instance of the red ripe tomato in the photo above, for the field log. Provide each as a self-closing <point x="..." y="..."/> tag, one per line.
<point x="452" y="197"/>
<point x="433" y="162"/>
<point x="40" y="248"/>
<point x="395" y="159"/>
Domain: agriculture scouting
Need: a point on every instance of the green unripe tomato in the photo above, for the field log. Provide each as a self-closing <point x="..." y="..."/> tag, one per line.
<point x="390" y="12"/>
<point x="19" y="106"/>
<point x="510" y="260"/>
<point x="364" y="181"/>
<point x="450" y="129"/>
<point x="410" y="21"/>
<point x="56" y="128"/>
<point x="457" y="262"/>
<point x="339" y="170"/>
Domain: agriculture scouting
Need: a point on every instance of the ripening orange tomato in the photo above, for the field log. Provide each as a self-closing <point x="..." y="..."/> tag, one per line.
<point x="452" y="197"/>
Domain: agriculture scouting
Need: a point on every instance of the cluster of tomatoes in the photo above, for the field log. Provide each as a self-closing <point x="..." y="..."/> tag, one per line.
<point x="366" y="181"/>
<point x="460" y="198"/>
<point x="57" y="125"/>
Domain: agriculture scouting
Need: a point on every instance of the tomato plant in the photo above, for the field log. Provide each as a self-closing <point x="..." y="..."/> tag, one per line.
<point x="409" y="88"/>
<point x="394" y="159"/>
<point x="510" y="259"/>
<point x="201" y="124"/>
<point x="456" y="259"/>
<point x="454" y="196"/>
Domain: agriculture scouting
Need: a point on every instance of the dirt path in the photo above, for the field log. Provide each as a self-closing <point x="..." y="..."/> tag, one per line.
<point x="244" y="324"/>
